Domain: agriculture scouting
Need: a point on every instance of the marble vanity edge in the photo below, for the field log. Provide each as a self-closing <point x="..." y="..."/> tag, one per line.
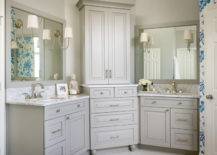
<point x="193" y="96"/>
<point x="42" y="103"/>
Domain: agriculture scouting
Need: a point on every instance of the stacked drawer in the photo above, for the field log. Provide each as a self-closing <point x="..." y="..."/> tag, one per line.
<point x="114" y="116"/>
<point x="58" y="138"/>
<point x="182" y="121"/>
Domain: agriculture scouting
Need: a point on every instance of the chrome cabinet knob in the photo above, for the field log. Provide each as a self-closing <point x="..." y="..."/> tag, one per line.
<point x="209" y="97"/>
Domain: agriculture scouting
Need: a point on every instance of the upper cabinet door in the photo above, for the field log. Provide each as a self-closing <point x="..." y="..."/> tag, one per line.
<point x="96" y="50"/>
<point x="119" y="47"/>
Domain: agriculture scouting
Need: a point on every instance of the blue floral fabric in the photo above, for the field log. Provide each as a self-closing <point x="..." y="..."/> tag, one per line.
<point x="203" y="4"/>
<point x="22" y="58"/>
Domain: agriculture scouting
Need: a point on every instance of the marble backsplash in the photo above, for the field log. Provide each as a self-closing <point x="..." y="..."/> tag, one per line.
<point x="18" y="93"/>
<point x="50" y="91"/>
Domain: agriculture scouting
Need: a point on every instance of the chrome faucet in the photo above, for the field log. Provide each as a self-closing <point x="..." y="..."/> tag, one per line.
<point x="36" y="94"/>
<point x="174" y="87"/>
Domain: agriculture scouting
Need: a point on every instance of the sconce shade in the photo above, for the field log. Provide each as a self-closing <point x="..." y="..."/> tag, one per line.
<point x="46" y="34"/>
<point x="144" y="37"/>
<point x="32" y="21"/>
<point x="68" y="32"/>
<point x="188" y="35"/>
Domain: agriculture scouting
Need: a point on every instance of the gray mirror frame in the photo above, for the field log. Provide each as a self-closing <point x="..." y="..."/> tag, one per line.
<point x="179" y="24"/>
<point x="14" y="84"/>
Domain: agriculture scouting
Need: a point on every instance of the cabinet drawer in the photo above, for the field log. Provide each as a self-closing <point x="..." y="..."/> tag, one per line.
<point x="111" y="119"/>
<point x="55" y="111"/>
<point x="101" y="92"/>
<point x="113" y="137"/>
<point x="184" y="139"/>
<point x="57" y="149"/>
<point x="54" y="131"/>
<point x="76" y="106"/>
<point x="169" y="102"/>
<point x="184" y="119"/>
<point x="113" y="105"/>
<point x="125" y="91"/>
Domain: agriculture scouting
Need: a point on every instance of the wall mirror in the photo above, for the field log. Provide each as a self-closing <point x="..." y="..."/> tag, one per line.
<point x="35" y="51"/>
<point x="167" y="53"/>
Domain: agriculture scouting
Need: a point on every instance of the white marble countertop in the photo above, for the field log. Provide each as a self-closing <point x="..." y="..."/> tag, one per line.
<point x="47" y="102"/>
<point x="101" y="86"/>
<point x="177" y="95"/>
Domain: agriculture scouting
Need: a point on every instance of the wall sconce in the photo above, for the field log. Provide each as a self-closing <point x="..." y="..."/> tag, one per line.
<point x="32" y="22"/>
<point x="57" y="34"/>
<point x="67" y="35"/>
<point x="188" y="37"/>
<point x="46" y="34"/>
<point x="146" y="40"/>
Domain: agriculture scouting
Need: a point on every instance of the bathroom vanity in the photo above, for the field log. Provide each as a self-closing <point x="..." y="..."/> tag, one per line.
<point x="48" y="127"/>
<point x="169" y="121"/>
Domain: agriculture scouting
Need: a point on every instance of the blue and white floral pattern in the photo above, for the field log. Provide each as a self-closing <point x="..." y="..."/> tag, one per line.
<point x="22" y="58"/>
<point x="203" y="4"/>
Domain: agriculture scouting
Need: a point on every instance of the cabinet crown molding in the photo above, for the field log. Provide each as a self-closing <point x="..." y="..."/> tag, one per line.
<point x="124" y="4"/>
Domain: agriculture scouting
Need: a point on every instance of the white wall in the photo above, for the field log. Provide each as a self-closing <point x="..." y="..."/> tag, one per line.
<point x="156" y="12"/>
<point x="53" y="7"/>
<point x="2" y="85"/>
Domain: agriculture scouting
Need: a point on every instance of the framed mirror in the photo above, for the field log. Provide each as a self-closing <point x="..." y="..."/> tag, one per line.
<point x="167" y="53"/>
<point x="35" y="47"/>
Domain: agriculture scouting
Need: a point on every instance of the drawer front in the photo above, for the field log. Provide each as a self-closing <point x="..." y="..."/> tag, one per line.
<point x="184" y="139"/>
<point x="113" y="137"/>
<point x="54" y="112"/>
<point x="111" y="119"/>
<point x="65" y="108"/>
<point x="101" y="92"/>
<point x="76" y="106"/>
<point x="57" y="149"/>
<point x="113" y="105"/>
<point x="54" y="131"/>
<point x="184" y="119"/>
<point x="125" y="92"/>
<point x="169" y="102"/>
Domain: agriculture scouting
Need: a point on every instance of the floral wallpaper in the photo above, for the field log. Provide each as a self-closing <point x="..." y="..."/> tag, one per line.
<point x="22" y="57"/>
<point x="203" y="4"/>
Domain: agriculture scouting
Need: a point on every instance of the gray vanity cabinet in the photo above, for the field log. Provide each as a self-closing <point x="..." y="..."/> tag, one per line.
<point x="57" y="129"/>
<point x="77" y="127"/>
<point x="169" y="122"/>
<point x="155" y="125"/>
<point x="58" y="149"/>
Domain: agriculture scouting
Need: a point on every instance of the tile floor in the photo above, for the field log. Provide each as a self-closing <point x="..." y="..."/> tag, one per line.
<point x="124" y="151"/>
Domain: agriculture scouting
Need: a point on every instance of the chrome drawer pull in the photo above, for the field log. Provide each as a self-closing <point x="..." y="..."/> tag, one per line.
<point x="56" y="131"/>
<point x="78" y="106"/>
<point x="167" y="110"/>
<point x="153" y="102"/>
<point x="182" y="140"/>
<point x="125" y="92"/>
<point x="116" y="137"/>
<point x="114" y="105"/>
<point x="180" y="103"/>
<point x="182" y="120"/>
<point x="114" y="119"/>
<point x="101" y="93"/>
<point x="68" y="117"/>
<point x="58" y="110"/>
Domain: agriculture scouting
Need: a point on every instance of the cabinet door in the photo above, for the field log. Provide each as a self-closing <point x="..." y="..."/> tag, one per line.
<point x="58" y="149"/>
<point x="119" y="46"/>
<point x="155" y="126"/>
<point x="96" y="50"/>
<point x="77" y="133"/>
